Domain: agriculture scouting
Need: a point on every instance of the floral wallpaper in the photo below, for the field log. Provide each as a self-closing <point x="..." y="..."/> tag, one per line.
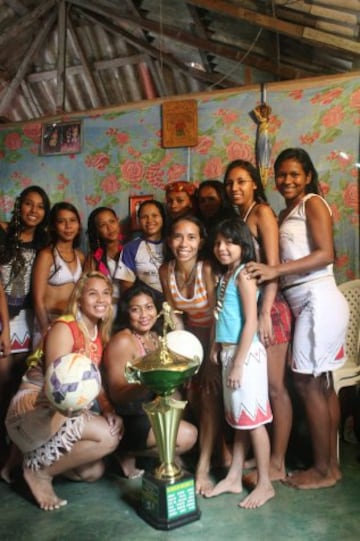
<point x="122" y="154"/>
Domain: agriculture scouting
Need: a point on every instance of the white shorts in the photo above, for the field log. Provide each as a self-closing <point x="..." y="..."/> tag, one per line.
<point x="321" y="316"/>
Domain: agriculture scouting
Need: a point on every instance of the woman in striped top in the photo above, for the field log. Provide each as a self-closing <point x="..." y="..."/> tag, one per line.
<point x="189" y="286"/>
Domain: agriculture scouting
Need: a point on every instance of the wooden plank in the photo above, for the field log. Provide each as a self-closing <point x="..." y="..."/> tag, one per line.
<point x="26" y="21"/>
<point x="337" y="15"/>
<point x="187" y="38"/>
<point x="155" y="53"/>
<point x="38" y="42"/>
<point x="17" y="7"/>
<point x="99" y="65"/>
<point x="88" y="73"/>
<point x="61" y="60"/>
<point x="273" y="24"/>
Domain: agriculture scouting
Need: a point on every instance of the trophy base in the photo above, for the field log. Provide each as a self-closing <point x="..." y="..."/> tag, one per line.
<point x="166" y="505"/>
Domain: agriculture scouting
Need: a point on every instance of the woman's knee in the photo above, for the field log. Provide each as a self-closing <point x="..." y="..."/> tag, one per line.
<point x="187" y="436"/>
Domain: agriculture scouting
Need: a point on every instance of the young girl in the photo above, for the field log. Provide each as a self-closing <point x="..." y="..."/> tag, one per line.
<point x="57" y="267"/>
<point x="245" y="192"/>
<point x="141" y="257"/>
<point x="189" y="286"/>
<point x="105" y="245"/>
<point x="243" y="359"/>
<point x="320" y="310"/>
<point x="52" y="443"/>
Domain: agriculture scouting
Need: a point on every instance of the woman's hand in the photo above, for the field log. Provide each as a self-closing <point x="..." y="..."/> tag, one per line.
<point x="115" y="423"/>
<point x="262" y="273"/>
<point x="265" y="329"/>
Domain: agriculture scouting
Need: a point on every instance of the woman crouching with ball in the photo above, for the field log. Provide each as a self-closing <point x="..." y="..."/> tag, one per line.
<point x="70" y="443"/>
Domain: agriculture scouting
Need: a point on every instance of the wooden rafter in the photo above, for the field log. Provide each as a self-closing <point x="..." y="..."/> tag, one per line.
<point x="10" y="91"/>
<point x="295" y="31"/>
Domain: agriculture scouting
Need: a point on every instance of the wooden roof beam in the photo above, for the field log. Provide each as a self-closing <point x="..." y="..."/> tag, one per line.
<point x="116" y="21"/>
<point x="155" y="53"/>
<point x="10" y="91"/>
<point x="26" y="21"/>
<point x="274" y="24"/>
<point x="93" y="90"/>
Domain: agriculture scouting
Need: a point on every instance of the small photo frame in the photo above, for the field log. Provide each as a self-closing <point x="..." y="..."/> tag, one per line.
<point x="59" y="138"/>
<point x="134" y="204"/>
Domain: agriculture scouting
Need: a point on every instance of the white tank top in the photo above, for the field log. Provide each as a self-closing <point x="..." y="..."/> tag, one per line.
<point x="295" y="243"/>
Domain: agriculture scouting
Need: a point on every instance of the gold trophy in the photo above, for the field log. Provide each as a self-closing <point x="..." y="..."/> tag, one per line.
<point x="168" y="498"/>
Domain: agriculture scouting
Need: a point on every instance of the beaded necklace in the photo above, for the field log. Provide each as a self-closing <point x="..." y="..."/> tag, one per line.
<point x="154" y="343"/>
<point x="154" y="258"/>
<point x="220" y="298"/>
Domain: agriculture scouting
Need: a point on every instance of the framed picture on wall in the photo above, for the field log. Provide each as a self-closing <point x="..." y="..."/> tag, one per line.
<point x="59" y="138"/>
<point x="134" y="204"/>
<point x="179" y="123"/>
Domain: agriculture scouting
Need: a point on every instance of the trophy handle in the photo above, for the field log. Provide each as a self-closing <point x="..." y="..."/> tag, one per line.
<point x="132" y="374"/>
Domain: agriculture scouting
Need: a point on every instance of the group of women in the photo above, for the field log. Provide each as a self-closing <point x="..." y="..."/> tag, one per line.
<point x="192" y="252"/>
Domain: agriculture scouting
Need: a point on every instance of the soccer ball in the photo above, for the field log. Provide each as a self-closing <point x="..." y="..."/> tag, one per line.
<point x="72" y="382"/>
<point x="185" y="343"/>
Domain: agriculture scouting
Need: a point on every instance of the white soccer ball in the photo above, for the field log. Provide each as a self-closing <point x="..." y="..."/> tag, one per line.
<point x="185" y="343"/>
<point x="72" y="382"/>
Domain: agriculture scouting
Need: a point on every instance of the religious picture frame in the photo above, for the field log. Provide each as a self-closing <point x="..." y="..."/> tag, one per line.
<point x="179" y="123"/>
<point x="58" y="138"/>
<point x="134" y="204"/>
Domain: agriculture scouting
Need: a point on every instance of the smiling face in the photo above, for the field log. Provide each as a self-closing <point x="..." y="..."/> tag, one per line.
<point x="291" y="180"/>
<point x="240" y="187"/>
<point x="151" y="221"/>
<point x="142" y="313"/>
<point x="185" y="240"/>
<point x="226" y="252"/>
<point x="95" y="299"/>
<point x="107" y="226"/>
<point x="32" y="210"/>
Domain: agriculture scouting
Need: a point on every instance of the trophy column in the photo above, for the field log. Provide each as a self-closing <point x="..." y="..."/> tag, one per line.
<point x="168" y="498"/>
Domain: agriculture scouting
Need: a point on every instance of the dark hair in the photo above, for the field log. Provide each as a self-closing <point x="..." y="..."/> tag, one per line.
<point x="194" y="220"/>
<point x="219" y="187"/>
<point x="95" y="241"/>
<point x="301" y="156"/>
<point x="122" y="319"/>
<point x="10" y="249"/>
<point x="63" y="205"/>
<point x="259" y="194"/>
<point x="235" y="230"/>
<point x="156" y="204"/>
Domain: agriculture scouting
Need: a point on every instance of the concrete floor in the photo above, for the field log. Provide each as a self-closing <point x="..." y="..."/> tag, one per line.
<point x="106" y="510"/>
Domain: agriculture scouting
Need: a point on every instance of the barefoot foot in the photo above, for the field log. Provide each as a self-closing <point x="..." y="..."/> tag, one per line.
<point x="226" y="485"/>
<point x="128" y="466"/>
<point x="41" y="487"/>
<point x="203" y="483"/>
<point x="260" y="495"/>
<point x="309" y="479"/>
<point x="275" y="474"/>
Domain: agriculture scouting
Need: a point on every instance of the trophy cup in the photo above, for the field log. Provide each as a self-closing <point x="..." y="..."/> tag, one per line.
<point x="168" y="498"/>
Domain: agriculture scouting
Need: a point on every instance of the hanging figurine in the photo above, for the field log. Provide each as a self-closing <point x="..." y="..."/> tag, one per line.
<point x="262" y="114"/>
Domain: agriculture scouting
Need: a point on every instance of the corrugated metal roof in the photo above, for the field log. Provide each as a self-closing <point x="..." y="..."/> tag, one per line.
<point x="67" y="56"/>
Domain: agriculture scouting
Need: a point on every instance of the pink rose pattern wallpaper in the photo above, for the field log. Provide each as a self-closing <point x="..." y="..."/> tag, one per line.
<point x="122" y="153"/>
